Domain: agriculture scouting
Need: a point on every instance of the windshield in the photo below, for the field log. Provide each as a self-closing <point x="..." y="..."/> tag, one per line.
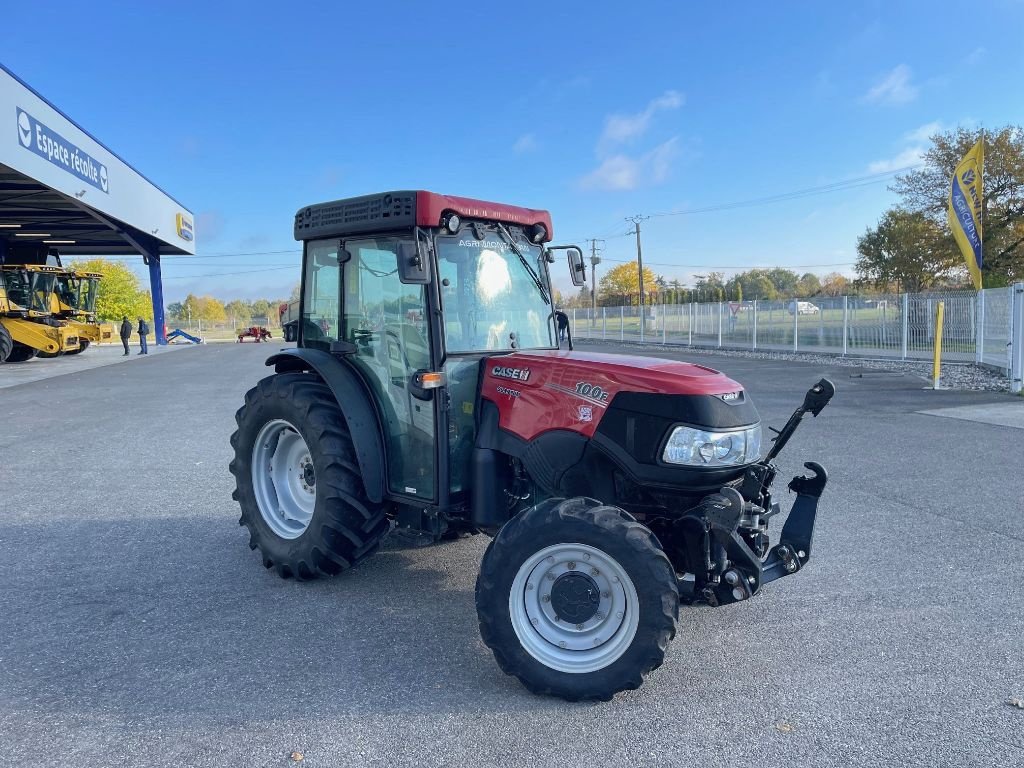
<point x="42" y="289"/>
<point x="87" y="303"/>
<point x="491" y="299"/>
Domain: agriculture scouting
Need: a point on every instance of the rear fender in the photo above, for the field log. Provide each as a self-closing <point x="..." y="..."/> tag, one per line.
<point x="356" y="407"/>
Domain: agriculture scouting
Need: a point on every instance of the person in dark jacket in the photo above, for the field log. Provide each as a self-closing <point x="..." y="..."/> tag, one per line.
<point x="563" y="324"/>
<point x="126" y="334"/>
<point x="143" y="330"/>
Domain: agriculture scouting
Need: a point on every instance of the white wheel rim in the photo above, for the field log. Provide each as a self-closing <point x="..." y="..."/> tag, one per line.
<point x="283" y="479"/>
<point x="554" y="640"/>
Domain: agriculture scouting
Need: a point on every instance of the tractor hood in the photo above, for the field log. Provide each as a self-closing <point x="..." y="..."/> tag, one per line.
<point x="556" y="389"/>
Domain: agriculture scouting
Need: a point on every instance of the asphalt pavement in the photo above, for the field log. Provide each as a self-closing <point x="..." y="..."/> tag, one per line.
<point x="138" y="628"/>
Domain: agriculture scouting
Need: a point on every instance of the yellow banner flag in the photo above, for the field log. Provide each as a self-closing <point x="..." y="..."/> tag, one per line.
<point x="965" y="196"/>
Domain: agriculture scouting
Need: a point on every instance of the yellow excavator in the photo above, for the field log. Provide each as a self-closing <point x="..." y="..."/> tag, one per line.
<point x="27" y="324"/>
<point x="74" y="301"/>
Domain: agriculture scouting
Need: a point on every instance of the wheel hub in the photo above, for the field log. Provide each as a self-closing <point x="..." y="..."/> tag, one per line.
<point x="573" y="607"/>
<point x="575" y="597"/>
<point x="283" y="479"/>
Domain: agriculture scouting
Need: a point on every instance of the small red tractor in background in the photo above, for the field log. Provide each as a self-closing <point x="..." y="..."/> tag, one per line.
<point x="256" y="332"/>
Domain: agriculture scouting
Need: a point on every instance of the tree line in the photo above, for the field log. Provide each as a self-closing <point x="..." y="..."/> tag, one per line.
<point x="240" y="312"/>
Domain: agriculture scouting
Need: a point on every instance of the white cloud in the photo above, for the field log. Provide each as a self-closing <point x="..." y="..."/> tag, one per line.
<point x="975" y="56"/>
<point x="910" y="156"/>
<point x="894" y="88"/>
<point x="525" y="143"/>
<point x="924" y="133"/>
<point x="622" y="172"/>
<point x="620" y="128"/>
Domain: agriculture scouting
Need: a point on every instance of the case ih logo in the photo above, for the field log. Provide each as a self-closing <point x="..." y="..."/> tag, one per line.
<point x="517" y="374"/>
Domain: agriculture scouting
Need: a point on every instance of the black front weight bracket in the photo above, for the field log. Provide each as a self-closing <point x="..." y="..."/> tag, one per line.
<point x="747" y="573"/>
<point x="794" y="547"/>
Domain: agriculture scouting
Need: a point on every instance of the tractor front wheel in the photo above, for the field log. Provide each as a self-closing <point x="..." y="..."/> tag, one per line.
<point x="297" y="480"/>
<point x="577" y="599"/>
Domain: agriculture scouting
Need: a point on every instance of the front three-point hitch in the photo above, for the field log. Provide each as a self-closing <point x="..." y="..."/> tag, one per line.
<point x="737" y="560"/>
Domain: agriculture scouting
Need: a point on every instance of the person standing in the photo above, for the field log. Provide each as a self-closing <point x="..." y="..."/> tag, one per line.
<point x="126" y="334"/>
<point x="143" y="331"/>
<point x="562" y="320"/>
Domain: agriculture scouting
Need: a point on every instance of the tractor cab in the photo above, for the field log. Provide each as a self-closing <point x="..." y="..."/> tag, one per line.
<point x="75" y="295"/>
<point x="28" y="291"/>
<point x="413" y="289"/>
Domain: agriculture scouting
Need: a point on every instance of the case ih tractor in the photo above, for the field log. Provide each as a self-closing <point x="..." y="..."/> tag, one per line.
<point x="439" y="401"/>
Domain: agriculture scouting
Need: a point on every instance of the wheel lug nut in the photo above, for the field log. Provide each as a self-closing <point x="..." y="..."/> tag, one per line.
<point x="579" y="627"/>
<point x="586" y="555"/>
<point x="551" y="577"/>
<point x="571" y="565"/>
<point x="533" y="621"/>
<point x="546" y="598"/>
<point x="598" y="616"/>
<point x="619" y="615"/>
<point x="606" y="594"/>
<point x="529" y="586"/>
<point x="594" y="572"/>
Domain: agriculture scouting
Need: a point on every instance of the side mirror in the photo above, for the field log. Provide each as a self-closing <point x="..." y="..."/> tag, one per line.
<point x="577" y="271"/>
<point x="414" y="261"/>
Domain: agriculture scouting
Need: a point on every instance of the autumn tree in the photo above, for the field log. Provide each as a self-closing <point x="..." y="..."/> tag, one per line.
<point x="808" y="285"/>
<point x="239" y="311"/>
<point x="906" y="248"/>
<point x="205" y="308"/>
<point x="621" y="284"/>
<point x="834" y="284"/>
<point x="925" y="190"/>
<point x="119" y="293"/>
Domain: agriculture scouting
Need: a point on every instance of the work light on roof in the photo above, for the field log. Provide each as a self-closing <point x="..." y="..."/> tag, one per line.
<point x="539" y="233"/>
<point x="452" y="222"/>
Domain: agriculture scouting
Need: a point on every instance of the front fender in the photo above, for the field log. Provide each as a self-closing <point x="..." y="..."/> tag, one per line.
<point x="356" y="406"/>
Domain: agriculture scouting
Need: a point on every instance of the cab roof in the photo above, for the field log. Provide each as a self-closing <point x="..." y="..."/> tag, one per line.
<point x="406" y="209"/>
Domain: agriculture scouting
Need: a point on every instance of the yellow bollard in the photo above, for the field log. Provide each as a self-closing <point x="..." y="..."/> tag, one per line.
<point x="937" y="361"/>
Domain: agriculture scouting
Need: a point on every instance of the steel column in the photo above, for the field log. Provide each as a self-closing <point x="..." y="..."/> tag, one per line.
<point x="156" y="289"/>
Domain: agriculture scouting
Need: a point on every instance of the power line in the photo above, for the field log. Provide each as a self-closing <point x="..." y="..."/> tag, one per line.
<point x="838" y="186"/>
<point x="727" y="266"/>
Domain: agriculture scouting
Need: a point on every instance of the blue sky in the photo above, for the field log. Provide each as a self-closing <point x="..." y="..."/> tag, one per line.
<point x="247" y="111"/>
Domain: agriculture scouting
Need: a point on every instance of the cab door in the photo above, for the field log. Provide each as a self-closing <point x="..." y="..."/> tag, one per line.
<point x="386" y="320"/>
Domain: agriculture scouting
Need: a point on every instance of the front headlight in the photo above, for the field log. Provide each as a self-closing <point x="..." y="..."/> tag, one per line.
<point x="700" y="448"/>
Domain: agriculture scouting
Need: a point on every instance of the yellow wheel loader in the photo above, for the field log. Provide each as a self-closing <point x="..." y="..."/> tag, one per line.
<point x="74" y="301"/>
<point x="27" y="325"/>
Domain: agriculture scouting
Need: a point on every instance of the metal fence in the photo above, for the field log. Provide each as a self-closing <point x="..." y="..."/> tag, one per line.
<point x="984" y="327"/>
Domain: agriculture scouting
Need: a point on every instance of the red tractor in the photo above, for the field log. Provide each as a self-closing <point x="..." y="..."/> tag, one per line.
<point x="255" y="332"/>
<point x="428" y="391"/>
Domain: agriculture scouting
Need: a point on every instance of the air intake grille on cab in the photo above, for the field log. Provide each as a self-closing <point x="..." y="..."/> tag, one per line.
<point x="355" y="215"/>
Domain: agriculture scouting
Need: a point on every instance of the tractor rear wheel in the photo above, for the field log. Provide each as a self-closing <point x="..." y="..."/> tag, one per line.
<point x="297" y="480"/>
<point x="20" y="353"/>
<point x="6" y="343"/>
<point x="577" y="599"/>
<point x="83" y="344"/>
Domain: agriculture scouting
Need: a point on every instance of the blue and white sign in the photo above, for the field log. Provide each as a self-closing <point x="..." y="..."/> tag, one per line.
<point x="49" y="144"/>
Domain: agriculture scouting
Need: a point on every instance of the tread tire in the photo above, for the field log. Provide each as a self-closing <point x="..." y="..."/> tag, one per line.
<point x="6" y="343"/>
<point x="346" y="526"/>
<point x="618" y="534"/>
<point x="20" y="353"/>
<point x="83" y="344"/>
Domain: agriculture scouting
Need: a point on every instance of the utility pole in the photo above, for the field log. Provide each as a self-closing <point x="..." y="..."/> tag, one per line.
<point x="594" y="261"/>
<point x="636" y="220"/>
